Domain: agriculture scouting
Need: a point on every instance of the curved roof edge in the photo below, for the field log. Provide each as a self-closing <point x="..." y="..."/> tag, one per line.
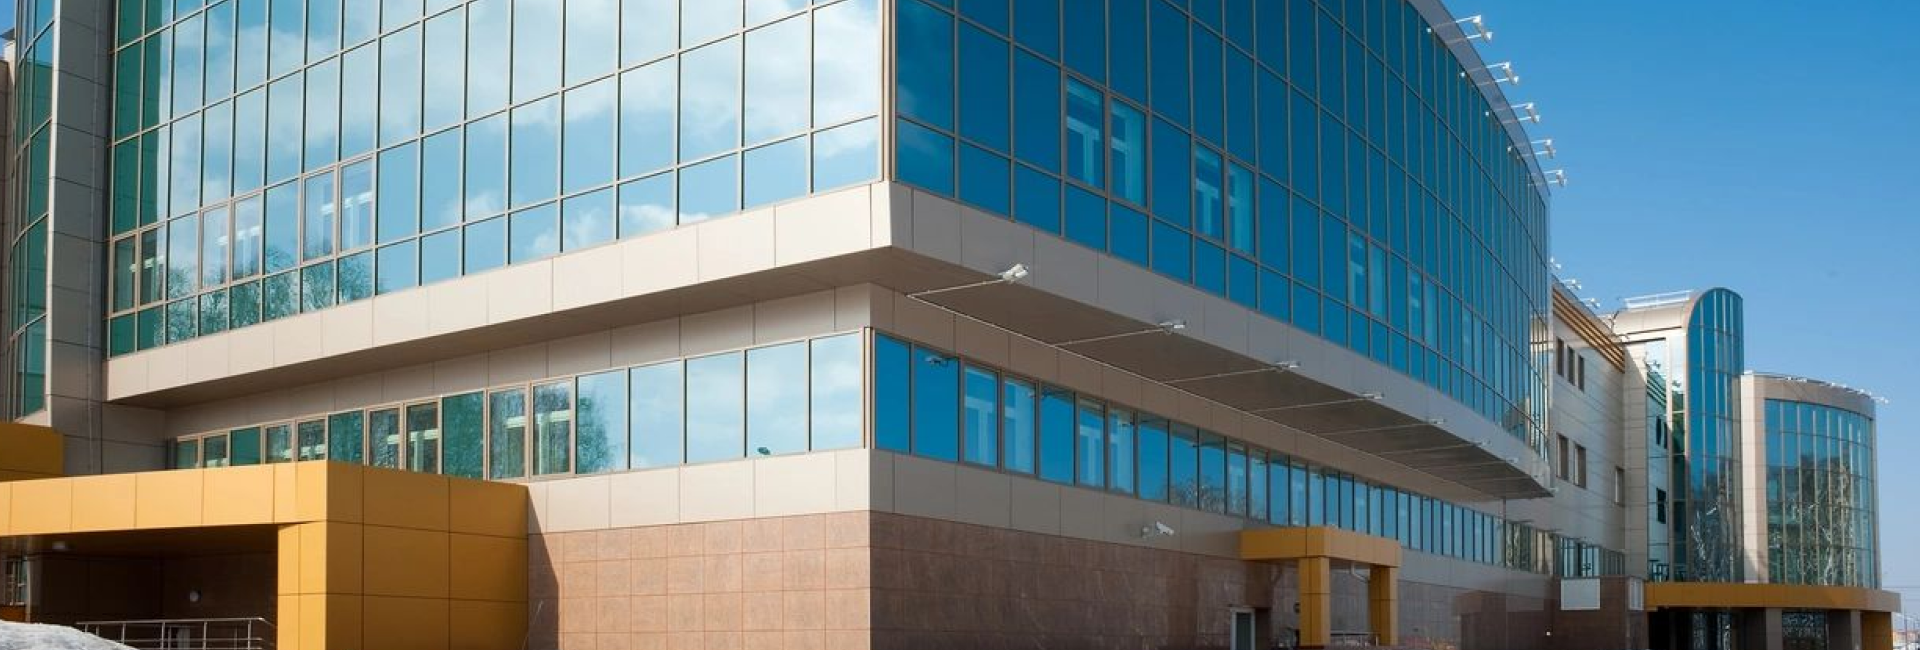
<point x="1867" y="398"/>
<point x="1436" y="13"/>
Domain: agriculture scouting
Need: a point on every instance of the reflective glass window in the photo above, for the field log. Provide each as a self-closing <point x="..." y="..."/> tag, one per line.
<point x="397" y="267"/>
<point x="1183" y="473"/>
<point x="486" y="245"/>
<point x="1056" y="434"/>
<point x="356" y="203"/>
<point x="647" y="205"/>
<point x="703" y="20"/>
<point x="647" y="102"/>
<point x="246" y="450"/>
<point x="985" y="92"/>
<point x="440" y="193"/>
<point x="846" y="155"/>
<point x="846" y="61"/>
<point x="1037" y="112"/>
<point x="317" y="216"/>
<point x="423" y="437"/>
<point x="715" y="408"/>
<point x="587" y="220"/>
<point x="648" y="29"/>
<point x="600" y="441"/>
<point x="533" y="233"/>
<point x="657" y="419"/>
<point x="709" y="99"/>
<point x="1120" y="448"/>
<point x="1086" y="147"/>
<point x="445" y="74"/>
<point x="776" y="400"/>
<point x="709" y="189"/>
<point x="536" y="23"/>
<point x="489" y="22"/>
<point x="980" y="417"/>
<point x="834" y="383"/>
<point x="553" y="418"/>
<point x="1090" y="444"/>
<point x="1171" y="76"/>
<point x="589" y="135"/>
<point x="892" y="419"/>
<point x="535" y="166"/>
<point x="936" y="416"/>
<point x="925" y="54"/>
<point x="463" y="435"/>
<point x="593" y="46"/>
<point x="774" y="172"/>
<point x="924" y="157"/>
<point x="486" y="168"/>
<point x="777" y="81"/>
<point x="323" y="114"/>
<point x="507" y="434"/>
<point x="1172" y="180"/>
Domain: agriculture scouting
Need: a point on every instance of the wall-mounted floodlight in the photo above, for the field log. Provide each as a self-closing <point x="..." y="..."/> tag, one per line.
<point x="1556" y="177"/>
<point x="1471" y="28"/>
<point x="1156" y="529"/>
<point x="1364" y="397"/>
<point x="1013" y="274"/>
<point x="1277" y="366"/>
<point x="1545" y="149"/>
<point x="1168" y="326"/>
<point x="1501" y="72"/>
<point x="1518" y="113"/>
<point x="1572" y="284"/>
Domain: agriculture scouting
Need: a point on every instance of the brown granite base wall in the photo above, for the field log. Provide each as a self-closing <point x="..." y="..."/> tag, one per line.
<point x="797" y="583"/>
<point x="1611" y="627"/>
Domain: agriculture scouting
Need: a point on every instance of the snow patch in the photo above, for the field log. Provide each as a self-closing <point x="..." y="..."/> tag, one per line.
<point x="32" y="636"/>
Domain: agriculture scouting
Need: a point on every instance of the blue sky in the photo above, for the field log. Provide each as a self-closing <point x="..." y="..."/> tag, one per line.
<point x="1764" y="147"/>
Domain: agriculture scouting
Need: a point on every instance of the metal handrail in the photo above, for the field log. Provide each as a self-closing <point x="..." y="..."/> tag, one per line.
<point x="186" y="634"/>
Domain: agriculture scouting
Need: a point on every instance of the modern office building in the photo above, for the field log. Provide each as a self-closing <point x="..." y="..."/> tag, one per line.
<point x="834" y="324"/>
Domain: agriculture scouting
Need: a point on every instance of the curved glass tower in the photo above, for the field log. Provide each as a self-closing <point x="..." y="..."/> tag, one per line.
<point x="1821" y="500"/>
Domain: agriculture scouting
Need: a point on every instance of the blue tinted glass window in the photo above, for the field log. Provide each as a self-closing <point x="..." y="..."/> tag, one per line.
<point x="535" y="167"/>
<point x="1243" y="281"/>
<point x="1152" y="458"/>
<point x="1037" y="113"/>
<point x="398" y="267"/>
<point x="701" y="20"/>
<point x="845" y="155"/>
<point x="589" y="135"/>
<point x="835" y="372"/>
<point x="537" y="24"/>
<point x="984" y="179"/>
<point x="991" y="13"/>
<point x="282" y="228"/>
<point x="316" y="288"/>
<point x="1018" y="413"/>
<point x="775" y="172"/>
<point x="776" y="408"/>
<point x="1086" y="37"/>
<point x="1172" y="181"/>
<point x="1213" y="473"/>
<point x="1305" y="118"/>
<point x="400" y="84"/>
<point x="1300" y="40"/>
<point x="1209" y="86"/>
<point x="355" y="277"/>
<point x="777" y="90"/>
<point x="1172" y="251"/>
<point x="486" y="245"/>
<point x="1086" y="144"/>
<point x="1056" y="434"/>
<point x="1090" y="444"/>
<point x="985" y="99"/>
<point x="1128" y="233"/>
<point x="445" y="76"/>
<point x="1306" y="243"/>
<point x="657" y="413"/>
<point x="440" y="201"/>
<point x="600" y="436"/>
<point x="647" y="97"/>
<point x="1129" y="151"/>
<point x="1273" y="228"/>
<point x="488" y="21"/>
<point x="285" y="119"/>
<point x="1209" y="268"/>
<point x="216" y="171"/>
<point x="924" y="49"/>
<point x="1275" y="294"/>
<point x="399" y="193"/>
<point x="846" y="61"/>
<point x="936" y="395"/>
<point x="1183" y="459"/>
<point x="1240" y="207"/>
<point x="440" y="256"/>
<point x="1036" y="24"/>
<point x="486" y="167"/>
<point x="709" y="99"/>
<point x="648" y="29"/>
<point x="587" y="220"/>
<point x="1273" y="125"/>
<point x="593" y="40"/>
<point x="892" y="367"/>
<point x="646" y="205"/>
<point x="1207" y="193"/>
<point x="1241" y="136"/>
<point x="709" y="189"/>
<point x="1120" y="468"/>
<point x="1127" y="29"/>
<point x="981" y="417"/>
<point x="356" y="204"/>
<point x="533" y="233"/>
<point x="1036" y="198"/>
<point x="317" y="217"/>
<point x="715" y="408"/>
<point x="249" y="141"/>
<point x="247" y="233"/>
<point x="1086" y="218"/>
<point x="1171" y="75"/>
<point x="925" y="157"/>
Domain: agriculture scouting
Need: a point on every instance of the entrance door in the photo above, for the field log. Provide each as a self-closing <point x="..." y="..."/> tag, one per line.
<point x="1243" y="630"/>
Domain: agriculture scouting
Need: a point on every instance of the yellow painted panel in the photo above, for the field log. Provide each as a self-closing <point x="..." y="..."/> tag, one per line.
<point x="288" y="623"/>
<point x="330" y="559"/>
<point x="486" y="626"/>
<point x="491" y="568"/>
<point x="168" y="499"/>
<point x="406" y="499"/>
<point x="325" y="491"/>
<point x="1316" y="575"/>
<point x="409" y="623"/>
<point x="31" y="450"/>
<point x="331" y="621"/>
<point x="6" y="508"/>
<point x="287" y="555"/>
<point x="103" y="502"/>
<point x="1721" y="594"/>
<point x="1876" y="631"/>
<point x="404" y="562"/>
<point x="286" y="493"/>
<point x="42" y="507"/>
<point x="487" y="508"/>
<point x="237" y="495"/>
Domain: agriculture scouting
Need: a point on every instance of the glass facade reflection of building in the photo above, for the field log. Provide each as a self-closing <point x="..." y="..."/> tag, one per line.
<point x="1707" y="542"/>
<point x="1329" y="164"/>
<point x="1820" y="495"/>
<point x="275" y="157"/>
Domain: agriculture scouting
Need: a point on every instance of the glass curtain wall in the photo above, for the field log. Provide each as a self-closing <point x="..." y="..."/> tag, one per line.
<point x="275" y="157"/>
<point x="1329" y="164"/>
<point x="1821" y="497"/>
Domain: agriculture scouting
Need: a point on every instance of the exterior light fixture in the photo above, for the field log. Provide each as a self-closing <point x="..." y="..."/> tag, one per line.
<point x="1518" y="113"/>
<point x="1501" y="72"/>
<point x="1364" y="397"/>
<point x="1277" y="366"/>
<point x="1556" y="177"/>
<point x="1478" y="31"/>
<point x="1546" y="149"/>
<point x="1163" y="327"/>
<point x="1013" y="274"/>
<point x="1156" y="529"/>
